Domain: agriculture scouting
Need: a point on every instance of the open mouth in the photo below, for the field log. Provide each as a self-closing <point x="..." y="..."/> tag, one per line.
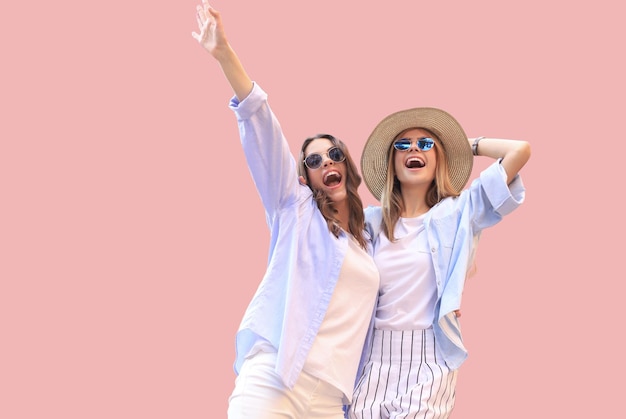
<point x="332" y="178"/>
<point x="414" y="162"/>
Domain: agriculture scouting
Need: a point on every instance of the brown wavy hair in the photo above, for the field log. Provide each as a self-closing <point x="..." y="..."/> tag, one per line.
<point x="356" y="220"/>
<point x="391" y="196"/>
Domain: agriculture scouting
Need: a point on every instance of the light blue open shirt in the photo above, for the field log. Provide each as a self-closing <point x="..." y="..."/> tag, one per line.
<point x="453" y="227"/>
<point x="305" y="258"/>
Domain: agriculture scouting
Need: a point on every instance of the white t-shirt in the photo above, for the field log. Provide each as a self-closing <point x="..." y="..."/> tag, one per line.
<point x="337" y="348"/>
<point x="408" y="291"/>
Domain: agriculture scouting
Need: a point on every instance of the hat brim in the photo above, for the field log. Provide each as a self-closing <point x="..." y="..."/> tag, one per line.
<point x="449" y="132"/>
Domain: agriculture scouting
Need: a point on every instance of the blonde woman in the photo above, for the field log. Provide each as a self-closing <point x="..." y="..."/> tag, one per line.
<point x="416" y="163"/>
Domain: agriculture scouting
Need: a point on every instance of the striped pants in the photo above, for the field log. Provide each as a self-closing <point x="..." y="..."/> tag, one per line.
<point x="402" y="379"/>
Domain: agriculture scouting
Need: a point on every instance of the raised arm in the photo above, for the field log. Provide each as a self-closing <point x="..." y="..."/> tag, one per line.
<point x="213" y="38"/>
<point x="514" y="153"/>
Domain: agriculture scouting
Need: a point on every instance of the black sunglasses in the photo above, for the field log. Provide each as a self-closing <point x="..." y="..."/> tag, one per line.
<point x="404" y="144"/>
<point x="314" y="160"/>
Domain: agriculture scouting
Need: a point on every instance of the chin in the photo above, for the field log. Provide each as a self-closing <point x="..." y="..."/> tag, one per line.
<point x="338" y="195"/>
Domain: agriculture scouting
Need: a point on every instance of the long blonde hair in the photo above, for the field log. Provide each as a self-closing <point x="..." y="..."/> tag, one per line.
<point x="391" y="196"/>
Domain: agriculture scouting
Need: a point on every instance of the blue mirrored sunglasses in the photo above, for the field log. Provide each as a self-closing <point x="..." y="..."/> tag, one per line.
<point x="314" y="160"/>
<point x="404" y="144"/>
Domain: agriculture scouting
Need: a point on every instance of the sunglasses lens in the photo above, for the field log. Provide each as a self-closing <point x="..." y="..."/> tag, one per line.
<point x="402" y="145"/>
<point x="425" y="144"/>
<point x="313" y="161"/>
<point x="336" y="155"/>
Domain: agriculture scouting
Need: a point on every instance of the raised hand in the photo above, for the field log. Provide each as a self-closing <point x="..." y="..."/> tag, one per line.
<point x="212" y="36"/>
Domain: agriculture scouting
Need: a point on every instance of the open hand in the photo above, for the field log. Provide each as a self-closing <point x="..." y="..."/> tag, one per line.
<point x="211" y="36"/>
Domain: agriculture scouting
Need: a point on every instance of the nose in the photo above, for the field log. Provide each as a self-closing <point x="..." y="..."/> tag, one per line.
<point x="413" y="146"/>
<point x="327" y="162"/>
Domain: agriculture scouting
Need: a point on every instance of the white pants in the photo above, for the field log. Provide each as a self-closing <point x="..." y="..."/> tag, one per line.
<point x="403" y="379"/>
<point x="260" y="394"/>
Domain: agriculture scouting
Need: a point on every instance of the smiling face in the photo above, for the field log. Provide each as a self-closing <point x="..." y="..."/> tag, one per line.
<point x="415" y="167"/>
<point x="330" y="175"/>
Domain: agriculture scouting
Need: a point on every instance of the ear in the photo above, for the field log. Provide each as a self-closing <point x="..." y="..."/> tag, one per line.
<point x="302" y="180"/>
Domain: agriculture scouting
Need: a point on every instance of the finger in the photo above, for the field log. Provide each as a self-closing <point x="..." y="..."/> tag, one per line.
<point x="201" y="13"/>
<point x="211" y="12"/>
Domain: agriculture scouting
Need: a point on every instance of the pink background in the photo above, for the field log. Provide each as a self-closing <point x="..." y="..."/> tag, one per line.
<point x="132" y="237"/>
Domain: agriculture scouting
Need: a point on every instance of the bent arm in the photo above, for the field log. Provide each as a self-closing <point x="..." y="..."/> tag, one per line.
<point x="514" y="153"/>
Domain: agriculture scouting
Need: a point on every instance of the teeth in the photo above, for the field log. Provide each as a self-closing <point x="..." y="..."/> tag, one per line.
<point x="331" y="173"/>
<point x="415" y="162"/>
<point x="333" y="177"/>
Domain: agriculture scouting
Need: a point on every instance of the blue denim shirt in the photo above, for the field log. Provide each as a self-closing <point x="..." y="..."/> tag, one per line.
<point x="305" y="258"/>
<point x="453" y="228"/>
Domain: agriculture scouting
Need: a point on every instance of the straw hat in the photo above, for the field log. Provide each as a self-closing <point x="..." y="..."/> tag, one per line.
<point x="442" y="124"/>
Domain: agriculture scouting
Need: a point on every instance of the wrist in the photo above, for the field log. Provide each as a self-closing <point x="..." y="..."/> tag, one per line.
<point x="475" y="145"/>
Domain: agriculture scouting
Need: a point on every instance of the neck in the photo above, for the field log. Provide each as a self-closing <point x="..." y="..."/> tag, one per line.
<point x="413" y="202"/>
